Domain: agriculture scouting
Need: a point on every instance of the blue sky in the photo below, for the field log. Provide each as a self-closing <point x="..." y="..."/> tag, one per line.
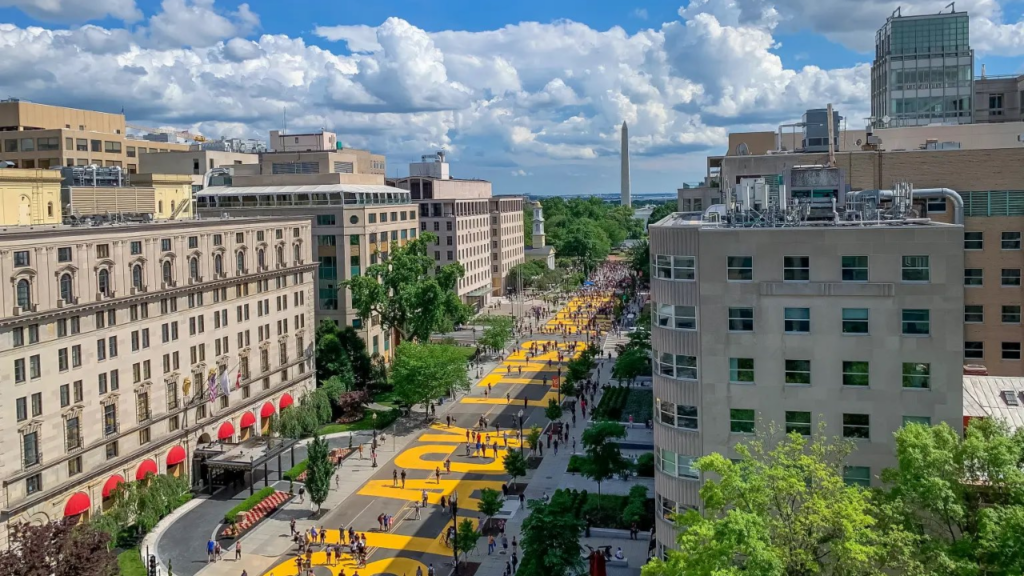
<point x="528" y="94"/>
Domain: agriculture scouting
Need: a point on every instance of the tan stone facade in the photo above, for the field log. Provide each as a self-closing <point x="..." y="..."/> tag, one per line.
<point x="508" y="240"/>
<point x="101" y="328"/>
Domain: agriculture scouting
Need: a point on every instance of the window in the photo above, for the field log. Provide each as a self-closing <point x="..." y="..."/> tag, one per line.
<point x="103" y="281"/>
<point x="974" y="314"/>
<point x="855" y="268"/>
<point x="916" y="322"/>
<point x="1011" y="314"/>
<point x="936" y="205"/>
<point x="796" y="268"/>
<point x="112" y="147"/>
<point x="19" y="370"/>
<point x="676" y="317"/>
<point x="677" y="465"/>
<point x="1010" y="241"/>
<point x="24" y="294"/>
<point x="924" y="420"/>
<point x="855" y="373"/>
<point x="741" y="370"/>
<point x="111" y="450"/>
<point x="974" y="350"/>
<point x="676" y="365"/>
<point x="797" y="320"/>
<point x="740" y="268"/>
<point x="857" y="426"/>
<point x="741" y="421"/>
<point x="21" y="408"/>
<point x="916" y="375"/>
<point x="1011" y="350"/>
<point x="799" y="422"/>
<point x="675" y="267"/>
<point x="66" y="289"/>
<point x="973" y="241"/>
<point x="1010" y="277"/>
<point x="34" y="367"/>
<point x="857" y="476"/>
<point x="915" y="269"/>
<point x="677" y="415"/>
<point x="798" y="372"/>
<point x="741" y="319"/>
<point x="973" y="277"/>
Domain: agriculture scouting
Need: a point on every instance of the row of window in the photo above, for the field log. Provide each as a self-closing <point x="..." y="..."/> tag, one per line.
<point x="1008" y="277"/>
<point x="797" y="372"/>
<point x="794" y="268"/>
<point x="914" y="322"/>
<point x="1007" y="241"/>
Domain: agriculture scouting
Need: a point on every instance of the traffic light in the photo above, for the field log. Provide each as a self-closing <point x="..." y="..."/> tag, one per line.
<point x="152" y="565"/>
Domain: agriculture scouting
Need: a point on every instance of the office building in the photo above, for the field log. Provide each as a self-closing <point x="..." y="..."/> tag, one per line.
<point x="128" y="348"/>
<point x="195" y="163"/>
<point x="354" y="217"/>
<point x="923" y="71"/>
<point x="473" y="227"/>
<point x="998" y="99"/>
<point x="43" y="136"/>
<point x="772" y="318"/>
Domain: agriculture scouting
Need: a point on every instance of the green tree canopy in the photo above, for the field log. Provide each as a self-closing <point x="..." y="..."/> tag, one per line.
<point x="586" y="243"/>
<point x="662" y="210"/>
<point x="425" y="371"/>
<point x="604" y="459"/>
<point x="551" y="539"/>
<point x="491" y="501"/>
<point x="639" y="259"/>
<point x="632" y="363"/>
<point x="782" y="510"/>
<point x="515" y="464"/>
<point x="466" y="538"/>
<point x="408" y="295"/>
<point x="318" y="471"/>
<point x="340" y="347"/>
<point x="498" y="333"/>
<point x="553" y="410"/>
<point x="963" y="497"/>
<point x="57" y="549"/>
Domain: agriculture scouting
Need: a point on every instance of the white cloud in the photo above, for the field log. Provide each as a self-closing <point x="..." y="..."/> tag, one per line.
<point x="640" y="13"/>
<point x="521" y="172"/>
<point x="76" y="10"/>
<point x="360" y="37"/>
<point x="196" y="23"/>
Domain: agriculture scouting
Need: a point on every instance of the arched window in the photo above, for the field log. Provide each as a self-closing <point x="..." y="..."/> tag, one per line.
<point x="280" y="255"/>
<point x="167" y="272"/>
<point x="49" y="209"/>
<point x="24" y="294"/>
<point x="295" y="253"/>
<point x="104" y="282"/>
<point x="172" y="206"/>
<point x="261" y="260"/>
<point x="218" y="264"/>
<point x="193" y="268"/>
<point x="137" y="277"/>
<point x="160" y="207"/>
<point x="240" y="262"/>
<point x="66" y="289"/>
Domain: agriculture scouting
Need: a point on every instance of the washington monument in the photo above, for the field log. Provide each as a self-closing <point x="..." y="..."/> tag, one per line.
<point x="624" y="152"/>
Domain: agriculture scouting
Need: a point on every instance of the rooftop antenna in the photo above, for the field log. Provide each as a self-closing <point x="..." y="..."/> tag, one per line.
<point x="897" y="12"/>
<point x="952" y="10"/>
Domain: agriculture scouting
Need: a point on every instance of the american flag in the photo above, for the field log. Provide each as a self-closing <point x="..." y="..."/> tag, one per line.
<point x="211" y="385"/>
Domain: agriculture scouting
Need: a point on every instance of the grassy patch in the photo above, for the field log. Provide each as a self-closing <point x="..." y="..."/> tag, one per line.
<point x="294" y="472"/>
<point x="485" y="319"/>
<point x="619" y="403"/>
<point x="129" y="563"/>
<point x="639" y="404"/>
<point x="610" y="511"/>
<point x="576" y="463"/>
<point x="468" y="351"/>
<point x="384" y="419"/>
<point x="248" y="504"/>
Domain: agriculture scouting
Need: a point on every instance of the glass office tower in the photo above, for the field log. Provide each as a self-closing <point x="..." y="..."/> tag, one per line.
<point x="923" y="72"/>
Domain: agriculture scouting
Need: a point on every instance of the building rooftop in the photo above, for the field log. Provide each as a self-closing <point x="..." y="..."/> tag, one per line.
<point x="300" y="195"/>
<point x="717" y="217"/>
<point x="995" y="397"/>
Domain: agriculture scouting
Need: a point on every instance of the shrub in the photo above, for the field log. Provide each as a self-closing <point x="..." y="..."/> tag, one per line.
<point x="645" y="465"/>
<point x="576" y="462"/>
<point x="248" y="504"/>
<point x="295" y="471"/>
<point x="611" y="511"/>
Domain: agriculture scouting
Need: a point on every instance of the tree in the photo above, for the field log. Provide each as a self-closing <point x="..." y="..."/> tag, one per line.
<point x="303" y="419"/>
<point x="632" y="363"/>
<point x="348" y="343"/>
<point x="604" y="460"/>
<point x="515" y="464"/>
<point x="551" y="539"/>
<point x="533" y="438"/>
<point x="963" y="498"/>
<point x="498" y="333"/>
<point x="467" y="537"/>
<point x="58" y="548"/>
<point x="784" y="509"/>
<point x="662" y="210"/>
<point x="553" y="412"/>
<point x="586" y="244"/>
<point x="424" y="371"/>
<point x="490" y="501"/>
<point x="318" y="471"/>
<point x="640" y="260"/>
<point x="406" y="293"/>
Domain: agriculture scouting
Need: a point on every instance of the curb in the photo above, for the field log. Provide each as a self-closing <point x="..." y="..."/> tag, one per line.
<point x="152" y="538"/>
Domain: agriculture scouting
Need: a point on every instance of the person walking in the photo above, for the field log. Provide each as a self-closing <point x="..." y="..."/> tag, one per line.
<point x="302" y="494"/>
<point x="403" y="479"/>
<point x="210" y="549"/>
<point x="504" y="544"/>
<point x="238" y="551"/>
<point x="490" y="544"/>
<point x="522" y="500"/>
<point x="514" y="545"/>
<point x="423" y="498"/>
<point x="437" y="474"/>
<point x="394" y="478"/>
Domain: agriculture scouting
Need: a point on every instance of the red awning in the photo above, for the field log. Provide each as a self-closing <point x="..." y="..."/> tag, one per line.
<point x="78" y="503"/>
<point x="268" y="410"/>
<point x="226" y="431"/>
<point x="286" y="401"/>
<point x="111" y="485"/>
<point x="145" y="469"/>
<point x="176" y="456"/>
<point x="247" y="420"/>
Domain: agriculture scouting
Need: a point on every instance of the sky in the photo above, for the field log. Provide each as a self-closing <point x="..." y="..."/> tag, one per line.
<point x="528" y="94"/>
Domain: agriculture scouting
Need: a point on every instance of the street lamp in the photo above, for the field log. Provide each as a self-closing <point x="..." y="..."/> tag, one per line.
<point x="521" y="443"/>
<point x="455" y="533"/>
<point x="373" y="441"/>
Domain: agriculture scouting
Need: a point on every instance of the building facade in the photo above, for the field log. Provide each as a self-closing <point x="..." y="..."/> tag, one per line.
<point x="195" y="163"/>
<point x="923" y="71"/>
<point x="127" y="346"/>
<point x="998" y="99"/>
<point x="354" y="218"/>
<point x="856" y="328"/>
<point x="465" y="217"/>
<point x="41" y="136"/>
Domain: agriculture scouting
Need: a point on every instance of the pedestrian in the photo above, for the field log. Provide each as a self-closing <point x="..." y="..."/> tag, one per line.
<point x="211" y="547"/>
<point x="416" y="511"/>
<point x="217" y="552"/>
<point x="423" y="497"/>
<point x="504" y="544"/>
<point x="394" y="478"/>
<point x="380" y="522"/>
<point x="302" y="494"/>
<point x="448" y="419"/>
<point x="337" y="481"/>
<point x="437" y="474"/>
<point x="443" y="501"/>
<point x="515" y="561"/>
<point x="504" y="490"/>
<point x="360" y="451"/>
<point x="323" y="535"/>
<point x="522" y="500"/>
<point x="292" y="525"/>
<point x="514" y="545"/>
<point x="238" y="551"/>
<point x="448" y="465"/>
<point x="403" y="479"/>
<point x="490" y="544"/>
<point x="556" y="447"/>
<point x="573" y="445"/>
<point x="508" y="398"/>
<point x="430" y="570"/>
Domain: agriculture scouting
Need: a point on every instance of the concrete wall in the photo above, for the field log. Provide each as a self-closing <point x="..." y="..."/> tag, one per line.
<point x="29" y="197"/>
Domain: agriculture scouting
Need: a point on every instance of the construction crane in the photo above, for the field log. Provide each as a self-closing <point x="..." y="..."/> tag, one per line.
<point x="176" y="133"/>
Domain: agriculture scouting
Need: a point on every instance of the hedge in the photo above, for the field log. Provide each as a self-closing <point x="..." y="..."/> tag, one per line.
<point x="248" y="504"/>
<point x="612" y="511"/>
<point x="295" y="471"/>
<point x="644" y="466"/>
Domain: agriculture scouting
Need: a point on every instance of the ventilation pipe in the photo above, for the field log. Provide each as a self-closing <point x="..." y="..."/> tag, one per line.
<point x="923" y="193"/>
